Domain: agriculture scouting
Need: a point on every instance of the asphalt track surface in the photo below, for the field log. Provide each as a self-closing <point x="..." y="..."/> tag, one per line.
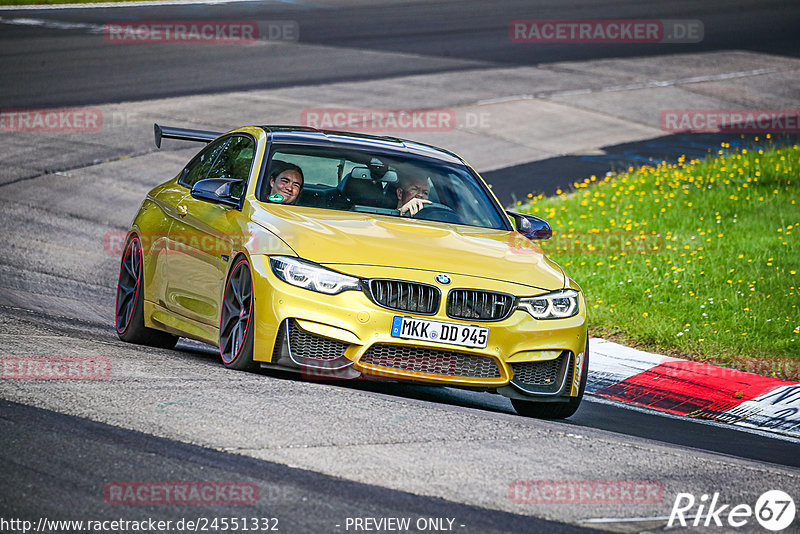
<point x="45" y="67"/>
<point x="299" y="501"/>
<point x="54" y="464"/>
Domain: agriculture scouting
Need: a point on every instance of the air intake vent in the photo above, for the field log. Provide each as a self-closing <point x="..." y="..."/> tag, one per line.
<point x="405" y="296"/>
<point x="543" y="376"/>
<point x="431" y="361"/>
<point x="307" y="346"/>
<point x="474" y="304"/>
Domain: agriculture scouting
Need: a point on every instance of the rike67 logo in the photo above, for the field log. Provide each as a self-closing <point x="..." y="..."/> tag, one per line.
<point x="774" y="510"/>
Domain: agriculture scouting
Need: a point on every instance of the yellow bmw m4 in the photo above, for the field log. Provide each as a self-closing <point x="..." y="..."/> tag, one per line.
<point x="347" y="256"/>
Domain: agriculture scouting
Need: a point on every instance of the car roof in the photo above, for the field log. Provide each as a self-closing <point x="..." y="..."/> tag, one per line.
<point x="333" y="138"/>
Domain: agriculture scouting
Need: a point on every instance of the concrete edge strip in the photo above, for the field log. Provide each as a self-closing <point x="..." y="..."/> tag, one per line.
<point x="693" y="389"/>
<point x="638" y="85"/>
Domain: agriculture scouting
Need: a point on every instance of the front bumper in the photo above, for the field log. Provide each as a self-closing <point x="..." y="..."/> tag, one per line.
<point x="348" y="336"/>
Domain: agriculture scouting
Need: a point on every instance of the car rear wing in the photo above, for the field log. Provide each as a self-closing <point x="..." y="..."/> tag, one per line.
<point x="186" y="134"/>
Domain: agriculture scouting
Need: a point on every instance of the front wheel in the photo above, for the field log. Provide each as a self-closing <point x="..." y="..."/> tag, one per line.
<point x="553" y="410"/>
<point x="236" y="324"/>
<point x="130" y="302"/>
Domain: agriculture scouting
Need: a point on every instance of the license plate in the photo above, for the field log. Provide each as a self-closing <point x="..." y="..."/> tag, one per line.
<point x="463" y="335"/>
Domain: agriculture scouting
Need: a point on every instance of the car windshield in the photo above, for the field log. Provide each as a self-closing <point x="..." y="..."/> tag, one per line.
<point x="380" y="184"/>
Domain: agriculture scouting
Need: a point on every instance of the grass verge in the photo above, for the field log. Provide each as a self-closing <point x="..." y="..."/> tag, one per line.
<point x="697" y="259"/>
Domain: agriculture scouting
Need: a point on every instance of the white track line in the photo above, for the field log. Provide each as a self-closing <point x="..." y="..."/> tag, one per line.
<point x="100" y="29"/>
<point x="627" y="519"/>
<point x="154" y="3"/>
<point x="54" y="24"/>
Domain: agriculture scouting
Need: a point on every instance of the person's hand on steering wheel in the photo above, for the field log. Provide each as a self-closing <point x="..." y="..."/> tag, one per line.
<point x="413" y="206"/>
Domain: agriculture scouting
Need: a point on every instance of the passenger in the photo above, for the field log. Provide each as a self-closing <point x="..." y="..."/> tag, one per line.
<point x="412" y="195"/>
<point x="285" y="184"/>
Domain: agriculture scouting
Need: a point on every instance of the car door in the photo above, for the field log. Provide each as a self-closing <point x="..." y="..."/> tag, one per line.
<point x="205" y="234"/>
<point x="157" y="242"/>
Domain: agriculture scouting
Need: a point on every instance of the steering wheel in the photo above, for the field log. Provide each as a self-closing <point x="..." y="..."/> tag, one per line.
<point x="438" y="212"/>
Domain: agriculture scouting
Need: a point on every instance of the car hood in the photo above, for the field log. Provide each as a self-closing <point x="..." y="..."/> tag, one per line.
<point x="338" y="239"/>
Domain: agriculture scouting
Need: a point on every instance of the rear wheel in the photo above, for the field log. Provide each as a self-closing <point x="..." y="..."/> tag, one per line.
<point x="556" y="410"/>
<point x="130" y="302"/>
<point x="236" y="325"/>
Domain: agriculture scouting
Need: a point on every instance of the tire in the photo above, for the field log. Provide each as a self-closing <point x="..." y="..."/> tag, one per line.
<point x="235" y="324"/>
<point x="553" y="410"/>
<point x="129" y="307"/>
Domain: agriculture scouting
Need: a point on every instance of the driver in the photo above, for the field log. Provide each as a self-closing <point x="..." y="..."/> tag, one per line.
<point x="412" y="194"/>
<point x="285" y="184"/>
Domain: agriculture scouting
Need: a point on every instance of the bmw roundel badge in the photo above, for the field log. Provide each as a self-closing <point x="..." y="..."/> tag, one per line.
<point x="443" y="279"/>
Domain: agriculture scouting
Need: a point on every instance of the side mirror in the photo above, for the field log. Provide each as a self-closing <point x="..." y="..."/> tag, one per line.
<point x="216" y="190"/>
<point x="531" y="226"/>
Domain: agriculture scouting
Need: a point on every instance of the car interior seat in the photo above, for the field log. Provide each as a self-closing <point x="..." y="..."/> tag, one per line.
<point x="361" y="191"/>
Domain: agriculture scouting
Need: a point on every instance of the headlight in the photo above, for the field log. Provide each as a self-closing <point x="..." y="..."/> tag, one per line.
<point x="556" y="305"/>
<point x="308" y="275"/>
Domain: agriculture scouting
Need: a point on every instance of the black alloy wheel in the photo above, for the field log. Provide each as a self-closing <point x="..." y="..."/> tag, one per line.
<point x="128" y="286"/>
<point x="236" y="319"/>
<point x="129" y="317"/>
